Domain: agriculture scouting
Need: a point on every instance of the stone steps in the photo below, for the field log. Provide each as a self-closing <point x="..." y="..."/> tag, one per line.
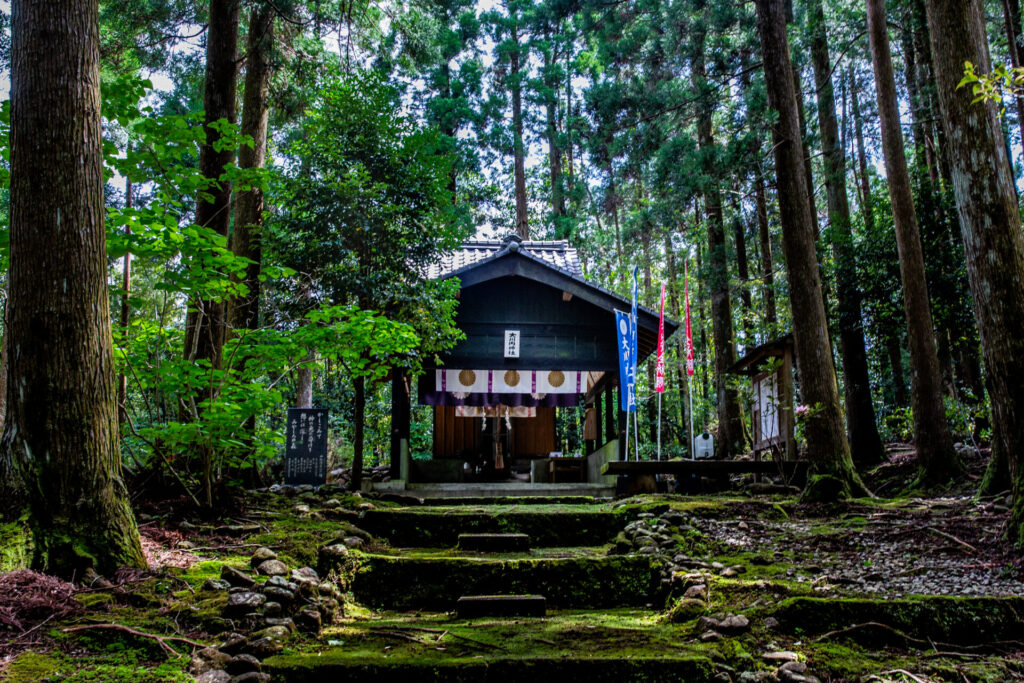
<point x="331" y="667"/>
<point x="436" y="582"/>
<point x="473" y="606"/>
<point x="437" y="528"/>
<point x="494" y="543"/>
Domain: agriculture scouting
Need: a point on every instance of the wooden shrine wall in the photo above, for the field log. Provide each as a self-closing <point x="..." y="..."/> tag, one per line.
<point x="456" y="436"/>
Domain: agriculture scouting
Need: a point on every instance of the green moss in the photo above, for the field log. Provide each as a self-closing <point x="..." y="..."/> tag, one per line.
<point x="607" y="645"/>
<point x="943" y="619"/>
<point x="15" y="546"/>
<point x="30" y="667"/>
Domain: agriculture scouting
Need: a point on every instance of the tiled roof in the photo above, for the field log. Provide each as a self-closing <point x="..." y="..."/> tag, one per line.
<point x="556" y="253"/>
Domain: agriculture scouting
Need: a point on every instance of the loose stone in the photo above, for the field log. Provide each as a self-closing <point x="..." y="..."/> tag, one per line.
<point x="243" y="603"/>
<point x="261" y="555"/>
<point x="697" y="591"/>
<point x="252" y="677"/>
<point x="208" y="659"/>
<point x="236" y="577"/>
<point x="272" y="568"/>
<point x="780" y="656"/>
<point x="242" y="664"/>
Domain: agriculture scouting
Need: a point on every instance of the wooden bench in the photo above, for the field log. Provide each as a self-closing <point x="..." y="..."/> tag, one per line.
<point x="792" y="470"/>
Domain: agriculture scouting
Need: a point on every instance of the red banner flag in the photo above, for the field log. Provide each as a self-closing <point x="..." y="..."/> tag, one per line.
<point x="659" y="382"/>
<point x="689" y="334"/>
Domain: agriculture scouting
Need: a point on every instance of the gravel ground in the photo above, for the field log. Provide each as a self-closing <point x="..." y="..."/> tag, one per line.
<point x="941" y="546"/>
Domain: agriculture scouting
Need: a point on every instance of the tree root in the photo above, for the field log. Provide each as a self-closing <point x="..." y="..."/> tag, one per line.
<point x="951" y="650"/>
<point x="160" y="640"/>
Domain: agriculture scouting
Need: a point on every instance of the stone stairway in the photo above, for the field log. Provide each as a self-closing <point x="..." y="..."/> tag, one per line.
<point x="498" y="593"/>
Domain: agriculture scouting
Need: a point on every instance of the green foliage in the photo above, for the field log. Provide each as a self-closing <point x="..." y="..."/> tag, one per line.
<point x="368" y="210"/>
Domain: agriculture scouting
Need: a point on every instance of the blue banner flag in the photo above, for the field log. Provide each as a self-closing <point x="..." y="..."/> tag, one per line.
<point x="627" y="360"/>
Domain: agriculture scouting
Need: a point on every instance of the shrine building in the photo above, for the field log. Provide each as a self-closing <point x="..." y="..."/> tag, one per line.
<point x="539" y="338"/>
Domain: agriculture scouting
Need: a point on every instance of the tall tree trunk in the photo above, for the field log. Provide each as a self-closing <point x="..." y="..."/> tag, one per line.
<point x="126" y="289"/>
<point x="771" y="317"/>
<point x="932" y="437"/>
<point x="518" y="147"/>
<point x="304" y="382"/>
<point x="246" y="238"/>
<point x="554" y="151"/>
<point x="359" y="411"/>
<point x="739" y="235"/>
<point x="832" y="472"/>
<point x="206" y="320"/>
<point x="731" y="433"/>
<point x="61" y="430"/>
<point x="865" y="443"/>
<point x="867" y="207"/>
<point x="1011" y="22"/>
<point x="913" y="89"/>
<point x="899" y="382"/>
<point x="13" y="503"/>
<point x="990" y="223"/>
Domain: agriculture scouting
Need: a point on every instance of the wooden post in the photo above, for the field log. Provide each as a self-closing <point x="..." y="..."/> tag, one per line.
<point x="399" y="420"/>
<point x="609" y="412"/>
<point x="598" y="422"/>
<point x="788" y="417"/>
<point x="623" y="416"/>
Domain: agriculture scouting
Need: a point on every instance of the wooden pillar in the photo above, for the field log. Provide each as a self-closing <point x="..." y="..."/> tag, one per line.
<point x="609" y="412"/>
<point x="621" y="432"/>
<point x="597" y="420"/>
<point x="400" y="420"/>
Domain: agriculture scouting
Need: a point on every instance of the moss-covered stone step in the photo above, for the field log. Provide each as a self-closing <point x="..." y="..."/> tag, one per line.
<point x="960" y="620"/>
<point x="440" y="528"/>
<point x="494" y="543"/>
<point x="399" y="582"/>
<point x="473" y="606"/>
<point x="330" y="668"/>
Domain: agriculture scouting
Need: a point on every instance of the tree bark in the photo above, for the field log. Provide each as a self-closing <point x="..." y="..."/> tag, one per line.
<point x="832" y="472"/>
<point x="518" y="147"/>
<point x="554" y="151"/>
<point x="867" y="208"/>
<point x="990" y="224"/>
<point x="739" y="235"/>
<point x="205" y="324"/>
<point x="61" y="431"/>
<point x="1011" y="22"/>
<point x="359" y="410"/>
<point x="304" y="382"/>
<point x="246" y="237"/>
<point x="865" y="443"/>
<point x="206" y="320"/>
<point x="126" y="289"/>
<point x="899" y="382"/>
<point x="731" y="434"/>
<point x="937" y="459"/>
<point x="771" y="317"/>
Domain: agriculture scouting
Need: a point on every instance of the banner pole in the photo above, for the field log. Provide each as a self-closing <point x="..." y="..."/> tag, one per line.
<point x="659" y="426"/>
<point x="625" y="450"/>
<point x="689" y="394"/>
<point x="636" y="433"/>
